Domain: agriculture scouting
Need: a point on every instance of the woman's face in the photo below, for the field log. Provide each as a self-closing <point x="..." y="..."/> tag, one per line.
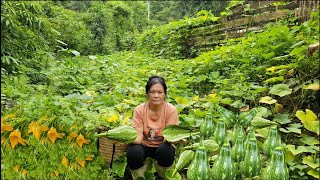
<point x="156" y="94"/>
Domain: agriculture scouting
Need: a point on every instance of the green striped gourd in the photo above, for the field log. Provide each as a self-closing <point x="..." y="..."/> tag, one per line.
<point x="124" y="133"/>
<point x="251" y="134"/>
<point x="220" y="133"/>
<point x="227" y="115"/>
<point x="245" y="117"/>
<point x="237" y="131"/>
<point x="273" y="139"/>
<point x="184" y="160"/>
<point x="238" y="150"/>
<point x="207" y="128"/>
<point x="277" y="168"/>
<point x="223" y="168"/>
<point x="252" y="162"/>
<point x="199" y="169"/>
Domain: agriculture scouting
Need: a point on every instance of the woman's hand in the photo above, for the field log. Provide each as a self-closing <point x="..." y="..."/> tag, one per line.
<point x="182" y="142"/>
<point x="139" y="138"/>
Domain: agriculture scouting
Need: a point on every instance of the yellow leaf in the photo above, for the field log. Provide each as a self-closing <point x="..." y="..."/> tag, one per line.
<point x="65" y="161"/>
<point x="267" y="100"/>
<point x="290" y="72"/>
<point x="90" y="93"/>
<point x="314" y="87"/>
<point x="182" y="100"/>
<point x="125" y="120"/>
<point x="196" y="98"/>
<point x="309" y="116"/>
<point x="53" y="134"/>
<point x="15" y="138"/>
<point x="212" y="95"/>
<point x="278" y="107"/>
<point x="81" y="140"/>
<point x="127" y="101"/>
<point x="272" y="69"/>
<point x="244" y="108"/>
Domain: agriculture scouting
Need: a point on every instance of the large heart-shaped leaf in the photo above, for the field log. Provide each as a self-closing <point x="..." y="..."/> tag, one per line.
<point x="282" y="118"/>
<point x="267" y="100"/>
<point x="174" y="133"/>
<point x="308" y="120"/>
<point x="310" y="162"/>
<point x="309" y="116"/>
<point x="280" y="90"/>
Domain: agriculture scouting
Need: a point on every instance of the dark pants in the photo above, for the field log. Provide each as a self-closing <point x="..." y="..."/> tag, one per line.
<point x="138" y="153"/>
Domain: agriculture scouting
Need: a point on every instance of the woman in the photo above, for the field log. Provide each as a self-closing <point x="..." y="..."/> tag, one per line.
<point x="149" y="120"/>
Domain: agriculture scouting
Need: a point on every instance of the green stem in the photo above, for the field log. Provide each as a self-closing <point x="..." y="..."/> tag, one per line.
<point x="75" y="173"/>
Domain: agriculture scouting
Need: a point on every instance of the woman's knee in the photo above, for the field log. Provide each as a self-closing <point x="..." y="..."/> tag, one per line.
<point x="165" y="154"/>
<point x="135" y="156"/>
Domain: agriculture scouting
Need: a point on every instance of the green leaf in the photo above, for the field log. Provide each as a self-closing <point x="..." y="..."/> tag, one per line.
<point x="263" y="112"/>
<point x="300" y="149"/>
<point x="274" y="80"/>
<point x="209" y="145"/>
<point x="263" y="131"/>
<point x="182" y="100"/>
<point x="237" y="104"/>
<point x="295" y="130"/>
<point x="226" y="101"/>
<point x="280" y="90"/>
<point x="119" y="166"/>
<point x="289" y="156"/>
<point x="200" y="113"/>
<point x="282" y="118"/>
<point x="309" y="140"/>
<point x="92" y="57"/>
<point x="267" y="100"/>
<point x="310" y="162"/>
<point x="175" y="133"/>
<point x="260" y="122"/>
<point x="315" y="173"/>
<point x="76" y="53"/>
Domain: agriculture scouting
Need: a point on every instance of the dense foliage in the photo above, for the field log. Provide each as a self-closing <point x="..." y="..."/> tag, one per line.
<point x="51" y="108"/>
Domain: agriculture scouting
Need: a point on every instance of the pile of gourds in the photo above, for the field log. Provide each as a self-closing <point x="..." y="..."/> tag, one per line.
<point x="238" y="159"/>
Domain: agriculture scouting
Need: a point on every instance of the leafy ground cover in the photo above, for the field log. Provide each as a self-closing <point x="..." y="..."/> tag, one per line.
<point x="47" y="127"/>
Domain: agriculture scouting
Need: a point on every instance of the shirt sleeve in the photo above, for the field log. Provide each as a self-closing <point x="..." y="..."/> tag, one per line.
<point x="137" y="119"/>
<point x="173" y="118"/>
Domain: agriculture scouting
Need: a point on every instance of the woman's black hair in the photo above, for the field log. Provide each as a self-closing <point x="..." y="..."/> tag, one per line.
<point x="155" y="80"/>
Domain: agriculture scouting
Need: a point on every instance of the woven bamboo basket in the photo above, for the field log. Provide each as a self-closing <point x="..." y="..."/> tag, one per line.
<point x="109" y="149"/>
